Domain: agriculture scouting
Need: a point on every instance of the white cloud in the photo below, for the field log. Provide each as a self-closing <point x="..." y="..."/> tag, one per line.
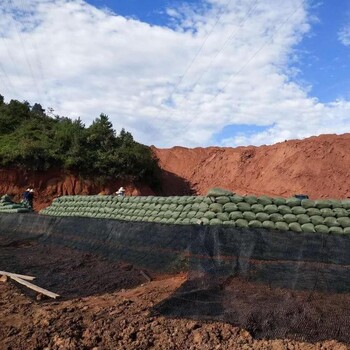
<point x="82" y="61"/>
<point x="344" y="35"/>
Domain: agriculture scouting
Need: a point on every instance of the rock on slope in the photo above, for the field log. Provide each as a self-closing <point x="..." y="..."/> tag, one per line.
<point x="318" y="166"/>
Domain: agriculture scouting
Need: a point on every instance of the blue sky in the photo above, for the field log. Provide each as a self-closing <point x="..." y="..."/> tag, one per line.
<point x="184" y="72"/>
<point x="323" y="62"/>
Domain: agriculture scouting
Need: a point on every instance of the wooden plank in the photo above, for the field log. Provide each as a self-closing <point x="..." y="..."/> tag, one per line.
<point x="23" y="277"/>
<point x="36" y="288"/>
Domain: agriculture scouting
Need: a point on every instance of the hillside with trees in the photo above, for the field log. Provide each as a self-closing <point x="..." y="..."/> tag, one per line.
<point x="31" y="139"/>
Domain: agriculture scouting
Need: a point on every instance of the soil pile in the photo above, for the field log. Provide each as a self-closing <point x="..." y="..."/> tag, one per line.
<point x="317" y="166"/>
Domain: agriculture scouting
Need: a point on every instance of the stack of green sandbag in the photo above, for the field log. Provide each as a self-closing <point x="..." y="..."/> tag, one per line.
<point x="219" y="207"/>
<point x="8" y="206"/>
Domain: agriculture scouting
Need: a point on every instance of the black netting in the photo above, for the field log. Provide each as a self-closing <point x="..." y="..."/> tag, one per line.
<point x="275" y="285"/>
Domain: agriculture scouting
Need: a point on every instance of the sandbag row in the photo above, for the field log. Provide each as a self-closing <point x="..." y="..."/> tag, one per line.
<point x="324" y="216"/>
<point x="8" y="206"/>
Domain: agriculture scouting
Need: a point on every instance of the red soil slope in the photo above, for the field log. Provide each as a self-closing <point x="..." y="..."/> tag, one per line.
<point x="318" y="166"/>
<point x="53" y="183"/>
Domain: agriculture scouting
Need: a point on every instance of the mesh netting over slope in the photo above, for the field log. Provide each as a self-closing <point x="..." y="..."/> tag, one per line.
<point x="295" y="285"/>
<point x="274" y="284"/>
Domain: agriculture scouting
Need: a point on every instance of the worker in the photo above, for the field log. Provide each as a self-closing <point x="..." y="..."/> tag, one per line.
<point x="120" y="192"/>
<point x="30" y="197"/>
<point x="25" y="196"/>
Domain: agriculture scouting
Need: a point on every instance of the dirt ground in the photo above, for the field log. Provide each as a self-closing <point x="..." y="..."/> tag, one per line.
<point x="105" y="305"/>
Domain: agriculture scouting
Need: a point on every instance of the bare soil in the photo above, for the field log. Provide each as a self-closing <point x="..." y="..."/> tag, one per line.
<point x="106" y="305"/>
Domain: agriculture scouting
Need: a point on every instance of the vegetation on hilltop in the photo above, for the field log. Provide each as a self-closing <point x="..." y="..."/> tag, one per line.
<point x="31" y="139"/>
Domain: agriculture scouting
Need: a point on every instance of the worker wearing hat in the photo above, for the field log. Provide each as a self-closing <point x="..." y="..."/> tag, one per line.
<point x="120" y="192"/>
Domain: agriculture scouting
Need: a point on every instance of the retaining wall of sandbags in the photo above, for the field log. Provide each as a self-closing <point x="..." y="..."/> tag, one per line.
<point x="291" y="214"/>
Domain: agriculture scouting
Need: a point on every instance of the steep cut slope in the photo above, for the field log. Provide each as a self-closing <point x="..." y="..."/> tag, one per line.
<point x="318" y="166"/>
<point x="53" y="183"/>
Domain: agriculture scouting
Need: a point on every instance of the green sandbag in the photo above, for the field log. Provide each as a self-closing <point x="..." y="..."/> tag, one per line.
<point x="241" y="223"/>
<point x="230" y="207"/>
<point x="255" y="223"/>
<point x="344" y="222"/>
<point x="215" y="222"/>
<point x="345" y="203"/>
<point x="178" y="221"/>
<point x="262" y="217"/>
<point x="195" y="207"/>
<point x="295" y="227"/>
<point x="257" y="208"/>
<point x="251" y="199"/>
<point x="165" y="207"/>
<point x="249" y="215"/>
<point x="335" y="203"/>
<point x="264" y="200"/>
<point x="175" y="215"/>
<point x="317" y="219"/>
<point x="268" y="224"/>
<point x="289" y="218"/>
<point x="293" y="202"/>
<point x="208" y="200"/>
<point x="340" y="212"/>
<point x="331" y="221"/>
<point x="172" y="207"/>
<point x="346" y="230"/>
<point x="168" y="214"/>
<point x="216" y="207"/>
<point x="229" y="223"/>
<point x="195" y="221"/>
<point x="279" y="201"/>
<point x="336" y="230"/>
<point x="209" y="215"/>
<point x="183" y="215"/>
<point x="326" y="212"/>
<point x="187" y="208"/>
<point x="282" y="226"/>
<point x="276" y="217"/>
<point x="191" y="214"/>
<point x="217" y="192"/>
<point x="199" y="215"/>
<point x="242" y="206"/>
<point x="313" y="211"/>
<point x="322" y="229"/>
<point x="236" y="199"/>
<point x="308" y="228"/>
<point x="236" y="215"/>
<point x="199" y="199"/>
<point x="222" y="200"/>
<point x="223" y="216"/>
<point x="203" y="207"/>
<point x="270" y="209"/>
<point x="205" y="221"/>
<point x="163" y="221"/>
<point x="171" y="221"/>
<point x="319" y="203"/>
<point x="190" y="199"/>
<point x="284" y="209"/>
<point x="180" y="208"/>
<point x="298" y="210"/>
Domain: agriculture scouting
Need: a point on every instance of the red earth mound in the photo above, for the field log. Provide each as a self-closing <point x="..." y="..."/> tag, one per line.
<point x="317" y="166"/>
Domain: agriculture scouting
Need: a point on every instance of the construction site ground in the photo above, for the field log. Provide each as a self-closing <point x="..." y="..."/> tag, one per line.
<point x="105" y="305"/>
